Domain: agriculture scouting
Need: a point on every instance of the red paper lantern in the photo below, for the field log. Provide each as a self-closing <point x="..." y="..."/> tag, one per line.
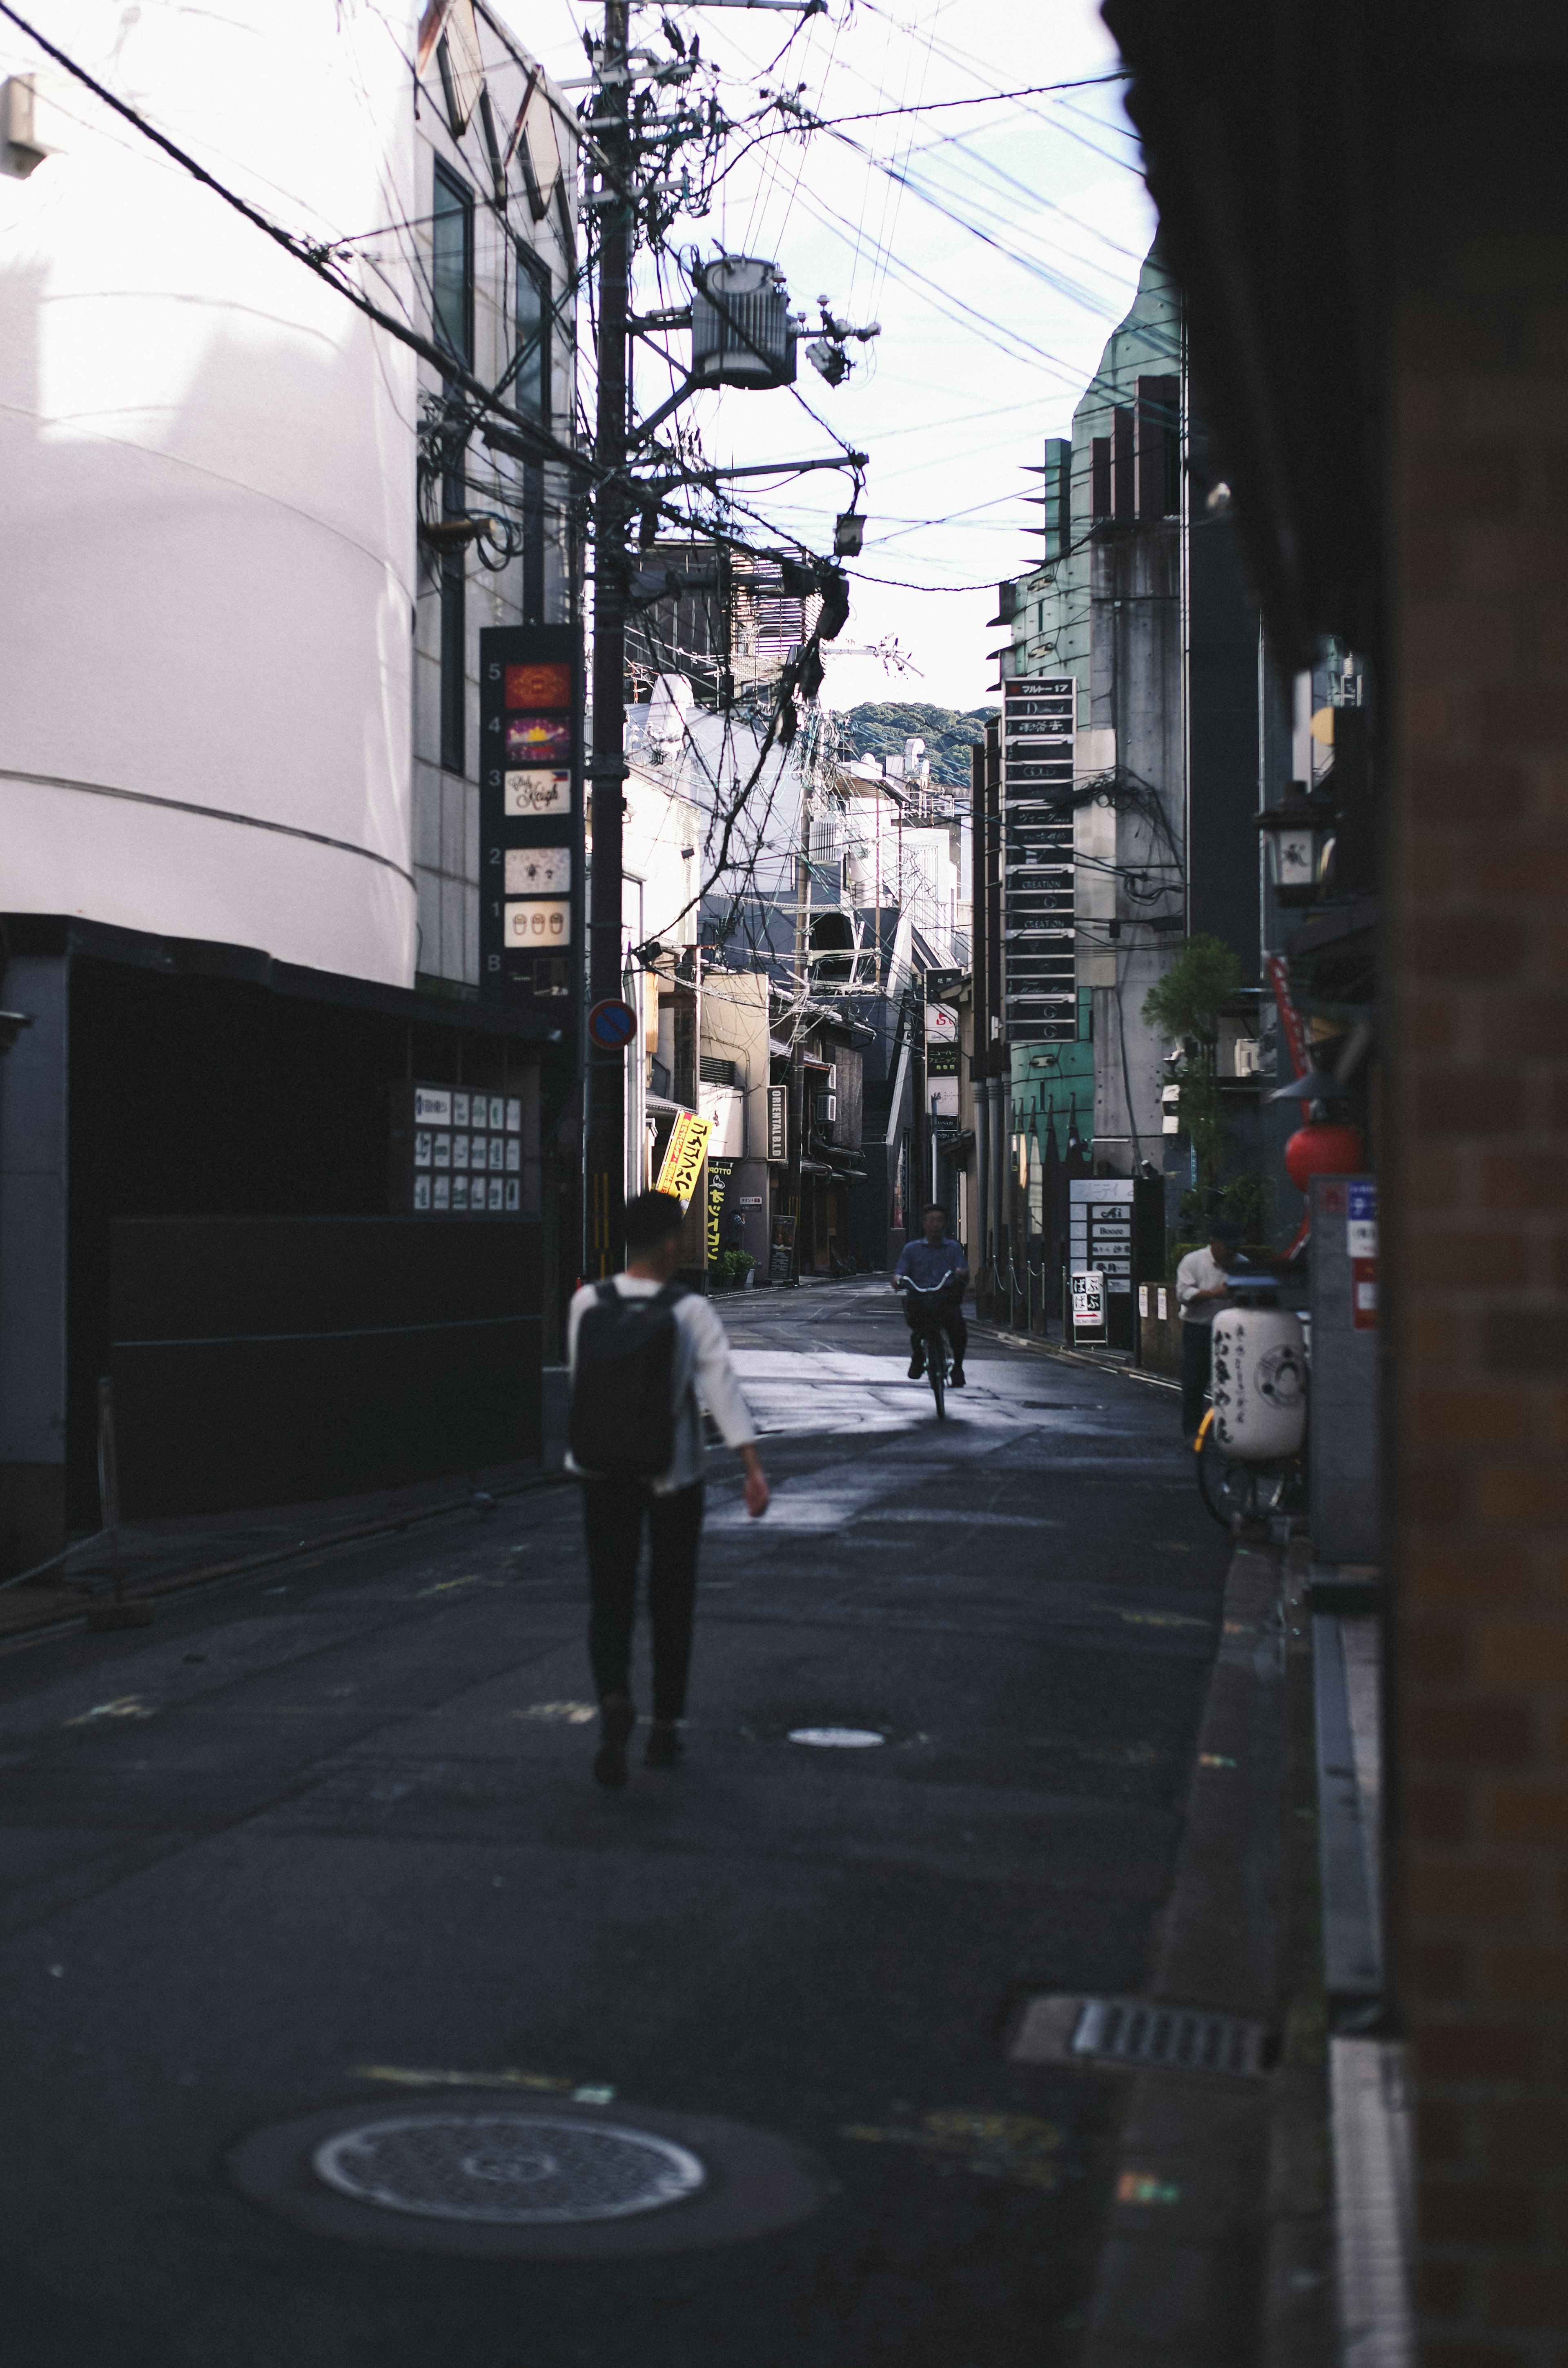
<point x="1323" y="1148"/>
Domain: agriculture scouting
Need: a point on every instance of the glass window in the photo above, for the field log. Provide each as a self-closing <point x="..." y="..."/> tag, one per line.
<point x="451" y="266"/>
<point x="532" y="386"/>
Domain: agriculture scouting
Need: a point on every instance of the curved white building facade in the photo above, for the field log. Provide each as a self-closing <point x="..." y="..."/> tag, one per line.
<point x="207" y="484"/>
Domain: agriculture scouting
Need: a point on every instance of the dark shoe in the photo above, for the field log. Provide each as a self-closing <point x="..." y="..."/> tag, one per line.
<point x="917" y="1368"/>
<point x="618" y="1716"/>
<point x="955" y="1379"/>
<point x="665" y="1749"/>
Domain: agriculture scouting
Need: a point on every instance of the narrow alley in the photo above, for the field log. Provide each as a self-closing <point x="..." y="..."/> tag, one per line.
<point x="323" y="1848"/>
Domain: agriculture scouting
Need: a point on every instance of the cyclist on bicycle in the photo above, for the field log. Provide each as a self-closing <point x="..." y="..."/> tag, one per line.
<point x="935" y="1262"/>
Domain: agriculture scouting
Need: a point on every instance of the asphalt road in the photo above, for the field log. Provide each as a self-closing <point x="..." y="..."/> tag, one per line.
<point x="338" y="1824"/>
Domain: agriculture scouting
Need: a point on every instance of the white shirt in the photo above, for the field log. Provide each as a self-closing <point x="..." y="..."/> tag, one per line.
<point x="702" y="1356"/>
<point x="1199" y="1270"/>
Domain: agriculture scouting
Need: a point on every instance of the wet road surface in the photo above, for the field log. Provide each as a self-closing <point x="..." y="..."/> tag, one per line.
<point x="317" y="1839"/>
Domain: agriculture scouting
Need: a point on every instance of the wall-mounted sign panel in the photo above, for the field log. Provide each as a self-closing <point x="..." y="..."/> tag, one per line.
<point x="454" y="1151"/>
<point x="537" y="870"/>
<point x="539" y="924"/>
<point x="528" y="794"/>
<point x="777" y="1122"/>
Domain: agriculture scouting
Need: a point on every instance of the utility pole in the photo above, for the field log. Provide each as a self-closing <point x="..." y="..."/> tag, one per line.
<point x="605" y="1130"/>
<point x="920" y="1145"/>
<point x="796" y="1104"/>
<point x="606" y="1145"/>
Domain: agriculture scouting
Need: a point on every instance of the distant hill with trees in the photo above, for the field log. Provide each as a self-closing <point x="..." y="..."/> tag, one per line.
<point x="882" y="726"/>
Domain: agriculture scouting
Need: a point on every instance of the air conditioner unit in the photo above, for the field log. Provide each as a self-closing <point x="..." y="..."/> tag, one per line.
<point x="824" y="1108"/>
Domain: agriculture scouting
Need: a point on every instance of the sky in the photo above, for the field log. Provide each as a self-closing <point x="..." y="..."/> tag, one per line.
<point x="991" y="322"/>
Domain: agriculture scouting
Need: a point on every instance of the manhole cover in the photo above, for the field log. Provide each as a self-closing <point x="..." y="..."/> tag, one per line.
<point x="487" y="2177"/>
<point x="839" y="1738"/>
<point x="511" y="2169"/>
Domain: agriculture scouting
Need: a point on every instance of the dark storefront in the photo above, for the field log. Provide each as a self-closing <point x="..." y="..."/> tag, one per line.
<point x="200" y="1197"/>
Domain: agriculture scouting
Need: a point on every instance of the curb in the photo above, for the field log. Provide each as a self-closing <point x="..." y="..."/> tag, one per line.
<point x="1073" y="1356"/>
<point x="1180" y="2275"/>
<point x="52" y="1623"/>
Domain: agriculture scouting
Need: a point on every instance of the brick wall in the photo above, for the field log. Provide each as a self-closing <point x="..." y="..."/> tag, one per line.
<point x="1478" y="1133"/>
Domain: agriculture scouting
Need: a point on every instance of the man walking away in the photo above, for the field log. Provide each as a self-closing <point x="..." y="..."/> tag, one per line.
<point x="1202" y="1290"/>
<point x="936" y="1259"/>
<point x="639" y="1347"/>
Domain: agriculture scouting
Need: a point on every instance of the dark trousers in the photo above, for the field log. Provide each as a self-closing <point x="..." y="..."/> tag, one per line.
<point x="613" y="1515"/>
<point x="1197" y="1346"/>
<point x="953" y="1324"/>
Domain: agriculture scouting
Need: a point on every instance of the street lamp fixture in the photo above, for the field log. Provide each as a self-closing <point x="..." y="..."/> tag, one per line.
<point x="1298" y="838"/>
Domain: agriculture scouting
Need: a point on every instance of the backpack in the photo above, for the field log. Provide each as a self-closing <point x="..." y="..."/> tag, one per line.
<point x="622" y="1422"/>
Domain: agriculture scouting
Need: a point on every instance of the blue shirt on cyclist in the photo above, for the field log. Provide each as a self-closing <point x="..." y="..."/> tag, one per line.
<point x="928" y="1263"/>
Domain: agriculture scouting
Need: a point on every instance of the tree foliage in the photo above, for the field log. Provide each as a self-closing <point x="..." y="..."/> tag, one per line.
<point x="881" y="727"/>
<point x="1184" y="1007"/>
<point x="1188" y="1000"/>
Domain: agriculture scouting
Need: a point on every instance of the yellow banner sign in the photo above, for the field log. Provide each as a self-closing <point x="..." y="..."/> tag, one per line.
<point x="684" y="1156"/>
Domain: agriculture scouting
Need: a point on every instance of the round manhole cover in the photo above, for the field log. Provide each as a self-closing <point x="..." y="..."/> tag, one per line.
<point x="510" y="2170"/>
<point x="837" y="1738"/>
<point x="488" y="2178"/>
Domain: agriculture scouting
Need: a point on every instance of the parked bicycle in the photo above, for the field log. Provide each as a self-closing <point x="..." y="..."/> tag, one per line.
<point x="1240" y="1495"/>
<point x="929" y="1331"/>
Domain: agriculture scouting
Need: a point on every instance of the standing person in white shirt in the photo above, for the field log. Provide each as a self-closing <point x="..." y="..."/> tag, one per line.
<point x="639" y="1350"/>
<point x="1202" y="1290"/>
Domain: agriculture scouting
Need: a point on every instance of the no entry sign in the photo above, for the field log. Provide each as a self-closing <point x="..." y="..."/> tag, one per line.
<point x="612" y="1024"/>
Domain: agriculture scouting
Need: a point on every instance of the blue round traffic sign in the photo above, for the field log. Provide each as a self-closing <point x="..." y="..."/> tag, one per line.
<point x="612" y="1024"/>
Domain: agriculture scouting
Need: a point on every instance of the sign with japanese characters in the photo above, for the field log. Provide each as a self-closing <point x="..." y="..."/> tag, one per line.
<point x="684" y="1156"/>
<point x="1088" y="1305"/>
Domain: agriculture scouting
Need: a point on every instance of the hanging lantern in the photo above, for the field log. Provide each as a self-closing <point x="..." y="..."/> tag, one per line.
<point x="1324" y="1147"/>
<point x="1297" y="839"/>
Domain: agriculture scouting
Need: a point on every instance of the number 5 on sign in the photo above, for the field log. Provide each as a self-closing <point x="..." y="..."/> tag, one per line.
<point x="684" y="1156"/>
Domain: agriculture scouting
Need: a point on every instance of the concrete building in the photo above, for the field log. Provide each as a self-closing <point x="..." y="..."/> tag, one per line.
<point x="238" y="620"/>
<point x="1139" y="636"/>
<point x="496" y="263"/>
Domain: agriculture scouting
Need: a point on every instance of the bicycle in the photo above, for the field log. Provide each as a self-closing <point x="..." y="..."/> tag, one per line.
<point x="1237" y="1493"/>
<point x="932" y="1337"/>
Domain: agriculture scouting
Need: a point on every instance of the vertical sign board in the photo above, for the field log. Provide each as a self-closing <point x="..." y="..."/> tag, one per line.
<point x="1100" y="1237"/>
<point x="1040" y="724"/>
<point x="1344" y="1399"/>
<point x="530" y="820"/>
<point x="719" y="1174"/>
<point x="782" y="1251"/>
<point x="777" y="1122"/>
